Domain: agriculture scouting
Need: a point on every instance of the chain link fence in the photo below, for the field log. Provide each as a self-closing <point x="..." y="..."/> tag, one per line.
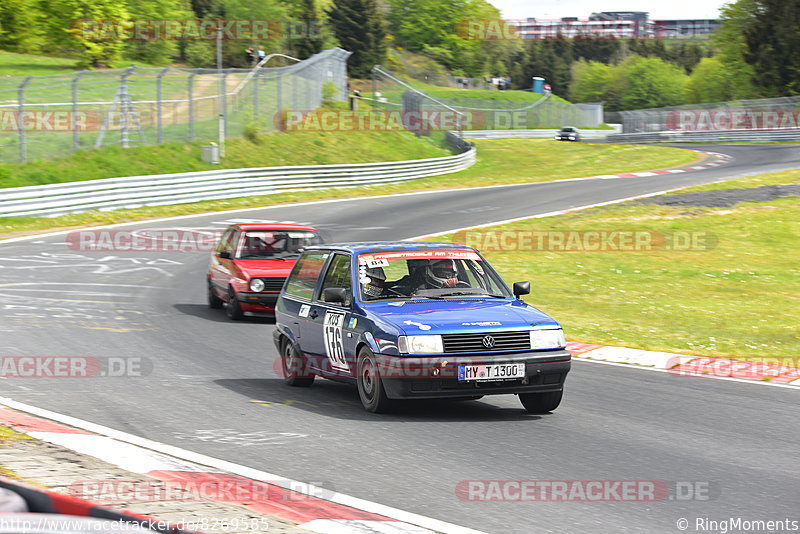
<point x="392" y="93"/>
<point x="50" y="116"/>
<point x="764" y="113"/>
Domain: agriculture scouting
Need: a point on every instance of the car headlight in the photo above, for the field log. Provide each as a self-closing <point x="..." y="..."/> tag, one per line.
<point x="257" y="285"/>
<point x="548" y="339"/>
<point x="420" y="344"/>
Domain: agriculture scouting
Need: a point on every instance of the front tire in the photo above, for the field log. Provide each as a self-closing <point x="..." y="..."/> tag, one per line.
<point x="541" y="402"/>
<point x="233" y="310"/>
<point x="370" y="386"/>
<point x="294" y="367"/>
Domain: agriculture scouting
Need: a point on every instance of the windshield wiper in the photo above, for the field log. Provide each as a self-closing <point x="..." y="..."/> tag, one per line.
<point x="468" y="294"/>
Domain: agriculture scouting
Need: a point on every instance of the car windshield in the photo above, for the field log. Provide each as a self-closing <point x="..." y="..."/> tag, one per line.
<point x="274" y="244"/>
<point x="428" y="274"/>
<point x="568" y="130"/>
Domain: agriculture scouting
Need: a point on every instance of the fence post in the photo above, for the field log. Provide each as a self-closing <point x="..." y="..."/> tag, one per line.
<point x="20" y="118"/>
<point x="255" y="95"/>
<point x="279" y="96"/>
<point x="159" y="98"/>
<point x="190" y="98"/>
<point x="123" y="98"/>
<point x="224" y="109"/>
<point x="74" y="83"/>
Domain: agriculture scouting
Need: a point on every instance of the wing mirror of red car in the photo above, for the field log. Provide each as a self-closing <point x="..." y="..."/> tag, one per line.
<point x="226" y="255"/>
<point x="522" y="288"/>
<point x="335" y="295"/>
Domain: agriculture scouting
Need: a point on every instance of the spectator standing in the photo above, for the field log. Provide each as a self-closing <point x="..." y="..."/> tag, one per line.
<point x="261" y="53"/>
<point x="250" y="56"/>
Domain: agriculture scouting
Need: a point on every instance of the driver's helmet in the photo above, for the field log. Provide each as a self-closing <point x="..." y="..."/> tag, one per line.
<point x="373" y="280"/>
<point x="441" y="273"/>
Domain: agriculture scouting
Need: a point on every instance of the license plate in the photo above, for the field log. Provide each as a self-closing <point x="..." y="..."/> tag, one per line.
<point x="497" y="371"/>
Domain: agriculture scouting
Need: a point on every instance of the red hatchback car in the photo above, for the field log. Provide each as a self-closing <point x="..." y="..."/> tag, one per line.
<point x="250" y="264"/>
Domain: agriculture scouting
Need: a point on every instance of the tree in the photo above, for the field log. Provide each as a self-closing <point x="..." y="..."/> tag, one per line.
<point x="710" y="82"/>
<point x="729" y="40"/>
<point x="590" y="81"/>
<point x="359" y="28"/>
<point x="773" y="45"/>
<point x="639" y="83"/>
<point x="308" y="40"/>
<point x="157" y="52"/>
<point x="74" y="27"/>
<point x="20" y="30"/>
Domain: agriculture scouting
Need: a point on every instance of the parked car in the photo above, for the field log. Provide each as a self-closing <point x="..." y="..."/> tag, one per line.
<point x="568" y="133"/>
<point x="414" y="321"/>
<point x="251" y="263"/>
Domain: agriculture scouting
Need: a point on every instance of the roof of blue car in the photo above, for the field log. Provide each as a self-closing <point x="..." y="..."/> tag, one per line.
<point x="384" y="246"/>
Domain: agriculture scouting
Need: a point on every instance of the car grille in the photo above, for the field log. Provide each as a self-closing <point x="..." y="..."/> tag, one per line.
<point x="516" y="340"/>
<point x="273" y="283"/>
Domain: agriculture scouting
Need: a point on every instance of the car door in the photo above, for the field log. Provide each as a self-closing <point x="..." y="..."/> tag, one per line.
<point x="333" y="340"/>
<point x="297" y="297"/>
<point x="219" y="270"/>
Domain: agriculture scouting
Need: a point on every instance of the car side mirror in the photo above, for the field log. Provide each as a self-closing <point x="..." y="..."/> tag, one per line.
<point x="226" y="255"/>
<point x="334" y="295"/>
<point x="522" y="288"/>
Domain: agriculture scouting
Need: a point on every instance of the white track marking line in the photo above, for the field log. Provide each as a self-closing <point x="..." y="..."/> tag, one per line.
<point x="247" y="472"/>
<point x="351" y="526"/>
<point x="317" y="202"/>
<point x="686" y="375"/>
<point x="543" y="215"/>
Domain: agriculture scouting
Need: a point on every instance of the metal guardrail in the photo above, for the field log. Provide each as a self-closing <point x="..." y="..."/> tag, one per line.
<point x="719" y="136"/>
<point x="163" y="189"/>
<point x="543" y="133"/>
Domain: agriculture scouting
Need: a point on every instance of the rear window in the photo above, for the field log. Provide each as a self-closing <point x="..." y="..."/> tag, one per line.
<point x="304" y="275"/>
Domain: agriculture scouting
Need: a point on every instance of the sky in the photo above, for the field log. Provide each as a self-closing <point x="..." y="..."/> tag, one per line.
<point x="658" y="9"/>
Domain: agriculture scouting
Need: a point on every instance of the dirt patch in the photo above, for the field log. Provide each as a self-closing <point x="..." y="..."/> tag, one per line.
<point x="723" y="198"/>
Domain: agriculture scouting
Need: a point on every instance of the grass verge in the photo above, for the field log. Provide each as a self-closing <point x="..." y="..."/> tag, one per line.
<point x="734" y="295"/>
<point x="499" y="162"/>
<point x="296" y="148"/>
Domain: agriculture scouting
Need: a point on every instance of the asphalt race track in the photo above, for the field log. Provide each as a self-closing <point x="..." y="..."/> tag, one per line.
<point x="210" y="386"/>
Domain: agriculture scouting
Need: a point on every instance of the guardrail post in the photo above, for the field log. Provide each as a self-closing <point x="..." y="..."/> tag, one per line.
<point x="20" y="118"/>
<point x="74" y="84"/>
<point x="190" y="98"/>
<point x="159" y="98"/>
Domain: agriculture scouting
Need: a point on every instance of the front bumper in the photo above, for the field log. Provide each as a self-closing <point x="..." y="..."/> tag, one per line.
<point x="258" y="302"/>
<point x="426" y="377"/>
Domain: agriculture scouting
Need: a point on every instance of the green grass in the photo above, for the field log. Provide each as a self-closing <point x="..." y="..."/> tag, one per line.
<point x="737" y="297"/>
<point x="7" y="434"/>
<point x="295" y="148"/>
<point x="12" y="64"/>
<point x="499" y="162"/>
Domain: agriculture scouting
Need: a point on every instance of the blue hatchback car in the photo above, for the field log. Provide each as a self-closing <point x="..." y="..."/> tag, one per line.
<point x="420" y="320"/>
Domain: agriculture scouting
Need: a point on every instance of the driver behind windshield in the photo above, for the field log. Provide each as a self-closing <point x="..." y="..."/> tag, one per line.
<point x="427" y="274"/>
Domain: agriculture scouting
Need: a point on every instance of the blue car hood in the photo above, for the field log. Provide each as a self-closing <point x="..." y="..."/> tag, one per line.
<point x="453" y="316"/>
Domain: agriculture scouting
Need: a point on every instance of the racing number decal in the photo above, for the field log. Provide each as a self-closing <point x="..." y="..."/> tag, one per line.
<point x="334" y="347"/>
